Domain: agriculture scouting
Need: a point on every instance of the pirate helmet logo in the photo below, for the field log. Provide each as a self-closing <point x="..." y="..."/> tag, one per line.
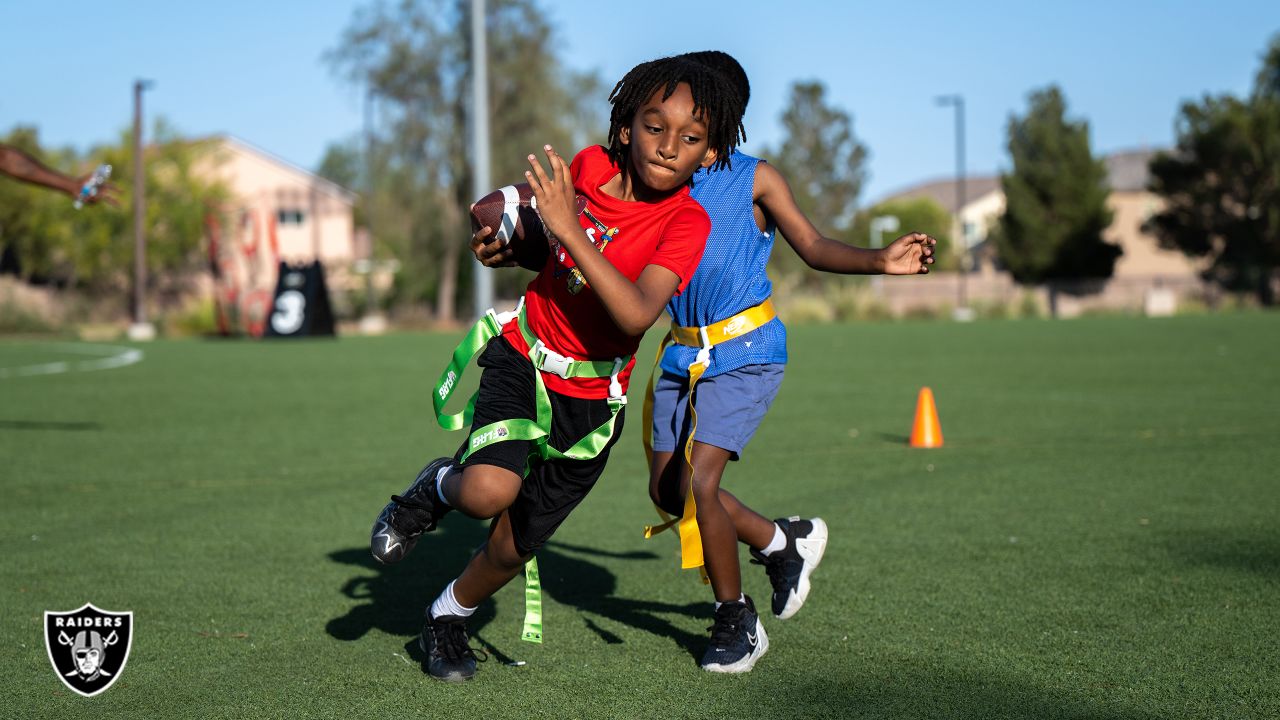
<point x="88" y="647"/>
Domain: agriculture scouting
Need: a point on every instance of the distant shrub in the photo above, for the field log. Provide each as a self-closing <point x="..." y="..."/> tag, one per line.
<point x="18" y="320"/>
<point x="923" y="312"/>
<point x="196" y="319"/>
<point x="1029" y="306"/>
<point x="802" y="309"/>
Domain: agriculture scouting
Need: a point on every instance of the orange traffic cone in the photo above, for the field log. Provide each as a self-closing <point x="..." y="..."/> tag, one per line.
<point x="926" y="432"/>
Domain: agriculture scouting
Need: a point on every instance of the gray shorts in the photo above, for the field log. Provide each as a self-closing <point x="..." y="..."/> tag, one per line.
<point x="730" y="407"/>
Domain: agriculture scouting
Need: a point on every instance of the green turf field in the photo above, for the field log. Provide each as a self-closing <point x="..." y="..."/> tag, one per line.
<point x="1100" y="537"/>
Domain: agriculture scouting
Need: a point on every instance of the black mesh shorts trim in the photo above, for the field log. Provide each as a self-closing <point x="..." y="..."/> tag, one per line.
<point x="553" y="488"/>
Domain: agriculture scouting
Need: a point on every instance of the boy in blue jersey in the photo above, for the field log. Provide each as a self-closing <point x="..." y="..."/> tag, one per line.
<point x="731" y="349"/>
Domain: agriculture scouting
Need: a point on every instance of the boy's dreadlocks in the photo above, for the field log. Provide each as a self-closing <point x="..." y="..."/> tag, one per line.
<point x="726" y="65"/>
<point x="717" y="102"/>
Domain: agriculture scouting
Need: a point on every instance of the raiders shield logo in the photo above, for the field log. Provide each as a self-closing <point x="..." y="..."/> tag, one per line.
<point x="88" y="647"/>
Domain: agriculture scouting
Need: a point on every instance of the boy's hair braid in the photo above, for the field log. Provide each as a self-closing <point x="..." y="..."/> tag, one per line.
<point x="726" y="65"/>
<point x="717" y="102"/>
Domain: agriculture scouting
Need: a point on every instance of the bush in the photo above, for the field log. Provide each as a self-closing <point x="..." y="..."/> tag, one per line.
<point x="18" y="320"/>
<point x="1029" y="305"/>
<point x="195" y="319"/>
<point x="802" y="309"/>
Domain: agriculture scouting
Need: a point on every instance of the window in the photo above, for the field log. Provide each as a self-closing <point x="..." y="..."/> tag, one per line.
<point x="290" y="217"/>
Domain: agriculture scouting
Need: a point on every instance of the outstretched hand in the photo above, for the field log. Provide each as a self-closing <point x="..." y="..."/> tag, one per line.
<point x="106" y="192"/>
<point x="911" y="254"/>
<point x="555" y="194"/>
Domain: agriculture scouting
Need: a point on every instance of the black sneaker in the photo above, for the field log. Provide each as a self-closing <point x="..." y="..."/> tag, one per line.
<point x="790" y="567"/>
<point x="407" y="516"/>
<point x="449" y="656"/>
<point x="737" y="639"/>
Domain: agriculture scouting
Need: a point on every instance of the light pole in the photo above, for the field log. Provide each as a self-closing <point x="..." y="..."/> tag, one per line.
<point x="140" y="329"/>
<point x="373" y="322"/>
<point x="879" y="224"/>
<point x="962" y="311"/>
<point x="480" y="140"/>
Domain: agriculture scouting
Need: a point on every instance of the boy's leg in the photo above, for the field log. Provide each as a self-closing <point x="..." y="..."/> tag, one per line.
<point x="665" y="491"/>
<point x="480" y="491"/>
<point x="715" y="525"/>
<point x="444" y="637"/>
<point x="492" y="567"/>
<point x="738" y="638"/>
<point x="754" y="530"/>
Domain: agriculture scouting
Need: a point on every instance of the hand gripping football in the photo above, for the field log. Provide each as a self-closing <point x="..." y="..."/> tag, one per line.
<point x="512" y="212"/>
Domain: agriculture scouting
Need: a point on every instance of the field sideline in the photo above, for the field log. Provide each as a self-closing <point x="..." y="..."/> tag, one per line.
<point x="1098" y="538"/>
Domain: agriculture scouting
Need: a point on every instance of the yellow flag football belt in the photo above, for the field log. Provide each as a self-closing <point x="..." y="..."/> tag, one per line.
<point x="703" y="338"/>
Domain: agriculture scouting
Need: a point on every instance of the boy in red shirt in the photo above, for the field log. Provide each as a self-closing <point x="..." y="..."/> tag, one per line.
<point x="551" y="396"/>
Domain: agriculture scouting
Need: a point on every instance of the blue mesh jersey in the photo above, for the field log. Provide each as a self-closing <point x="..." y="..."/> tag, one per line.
<point x="731" y="276"/>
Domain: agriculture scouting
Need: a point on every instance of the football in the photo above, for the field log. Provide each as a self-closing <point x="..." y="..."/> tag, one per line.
<point x="512" y="212"/>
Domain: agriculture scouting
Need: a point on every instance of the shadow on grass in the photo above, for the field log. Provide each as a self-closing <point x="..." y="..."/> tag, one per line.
<point x="392" y="598"/>
<point x="925" y="692"/>
<point x="1251" y="551"/>
<point x="894" y="438"/>
<point x="48" y="425"/>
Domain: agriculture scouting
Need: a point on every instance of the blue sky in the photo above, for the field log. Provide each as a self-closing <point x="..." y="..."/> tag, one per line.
<point x="254" y="69"/>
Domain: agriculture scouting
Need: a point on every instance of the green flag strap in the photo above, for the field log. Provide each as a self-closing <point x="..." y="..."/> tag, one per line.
<point x="488" y="327"/>
<point x="532" y="603"/>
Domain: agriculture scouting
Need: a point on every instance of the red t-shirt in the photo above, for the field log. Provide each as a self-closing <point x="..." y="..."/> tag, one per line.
<point x="671" y="233"/>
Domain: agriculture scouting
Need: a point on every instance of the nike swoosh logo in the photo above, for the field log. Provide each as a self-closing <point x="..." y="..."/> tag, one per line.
<point x="810" y="546"/>
<point x="751" y="639"/>
<point x="388" y="544"/>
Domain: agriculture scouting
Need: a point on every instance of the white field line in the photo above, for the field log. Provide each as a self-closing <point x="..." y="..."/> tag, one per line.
<point x="109" y="357"/>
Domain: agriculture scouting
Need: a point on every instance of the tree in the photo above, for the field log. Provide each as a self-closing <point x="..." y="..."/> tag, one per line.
<point x="1222" y="185"/>
<point x="1056" y="199"/>
<point x="920" y="214"/>
<point x="415" y="57"/>
<point x="823" y="162"/>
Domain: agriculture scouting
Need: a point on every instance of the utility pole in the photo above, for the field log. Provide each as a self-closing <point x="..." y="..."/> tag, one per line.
<point x="480" y="140"/>
<point x="372" y="323"/>
<point x="962" y="311"/>
<point x="140" y="329"/>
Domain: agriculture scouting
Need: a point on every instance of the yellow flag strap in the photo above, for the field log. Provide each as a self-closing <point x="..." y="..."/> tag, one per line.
<point x="727" y="329"/>
<point x="704" y="338"/>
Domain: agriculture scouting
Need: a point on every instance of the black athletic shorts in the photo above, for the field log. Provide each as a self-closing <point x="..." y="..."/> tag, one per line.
<point x="553" y="488"/>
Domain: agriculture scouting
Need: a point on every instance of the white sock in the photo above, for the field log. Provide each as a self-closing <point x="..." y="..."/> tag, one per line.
<point x="778" y="542"/>
<point x="440" y="476"/>
<point x="741" y="598"/>
<point x="447" y="604"/>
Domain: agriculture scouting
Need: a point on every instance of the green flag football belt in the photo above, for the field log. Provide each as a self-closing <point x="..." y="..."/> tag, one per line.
<point x="538" y="430"/>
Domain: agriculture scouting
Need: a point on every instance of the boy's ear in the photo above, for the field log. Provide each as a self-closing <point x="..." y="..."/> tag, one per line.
<point x="624" y="135"/>
<point x="710" y="158"/>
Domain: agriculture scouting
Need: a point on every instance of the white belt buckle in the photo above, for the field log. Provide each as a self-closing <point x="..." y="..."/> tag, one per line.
<point x="552" y="361"/>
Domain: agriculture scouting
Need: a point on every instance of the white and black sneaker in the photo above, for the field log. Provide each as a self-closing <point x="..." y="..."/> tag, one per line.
<point x="737" y="639"/>
<point x="408" y="515"/>
<point x="790" y="567"/>
<point x="445" y="642"/>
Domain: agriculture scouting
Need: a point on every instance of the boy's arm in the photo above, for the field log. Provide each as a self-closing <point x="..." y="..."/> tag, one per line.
<point x="908" y="255"/>
<point x="633" y="306"/>
<point x="21" y="166"/>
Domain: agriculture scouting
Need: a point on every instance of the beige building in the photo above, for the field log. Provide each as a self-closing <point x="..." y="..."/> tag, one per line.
<point x="278" y="212"/>
<point x="1146" y="278"/>
<point x="305" y="216"/>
